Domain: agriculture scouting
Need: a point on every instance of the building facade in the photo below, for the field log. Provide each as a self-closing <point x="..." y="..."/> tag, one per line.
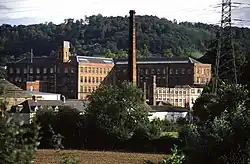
<point x="70" y="75"/>
<point x="182" y="96"/>
<point x="168" y="72"/>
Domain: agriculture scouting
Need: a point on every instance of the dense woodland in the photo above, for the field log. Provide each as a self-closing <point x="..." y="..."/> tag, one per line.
<point x="97" y="35"/>
<point x="108" y="36"/>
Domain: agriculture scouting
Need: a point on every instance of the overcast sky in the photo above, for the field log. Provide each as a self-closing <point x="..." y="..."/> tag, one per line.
<point x="40" y="11"/>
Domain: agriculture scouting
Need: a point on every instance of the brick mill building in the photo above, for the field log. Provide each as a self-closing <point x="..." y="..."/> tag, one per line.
<point x="73" y="76"/>
<point x="178" y="81"/>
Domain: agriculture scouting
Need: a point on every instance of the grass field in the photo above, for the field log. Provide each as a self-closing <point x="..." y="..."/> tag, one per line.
<point x="96" y="157"/>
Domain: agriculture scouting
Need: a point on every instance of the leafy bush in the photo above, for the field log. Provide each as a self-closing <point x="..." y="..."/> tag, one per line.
<point x="224" y="138"/>
<point x="18" y="141"/>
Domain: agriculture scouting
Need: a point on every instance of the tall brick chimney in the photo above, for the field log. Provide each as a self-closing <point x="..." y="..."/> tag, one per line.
<point x="152" y="99"/>
<point x="132" y="49"/>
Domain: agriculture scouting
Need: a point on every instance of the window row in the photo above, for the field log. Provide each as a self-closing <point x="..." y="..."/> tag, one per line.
<point x="172" y="100"/>
<point x="31" y="78"/>
<point x="40" y="70"/>
<point x="169" y="91"/>
<point x="94" y="70"/>
<point x="158" y="71"/>
<point x="87" y="89"/>
<point x="91" y="79"/>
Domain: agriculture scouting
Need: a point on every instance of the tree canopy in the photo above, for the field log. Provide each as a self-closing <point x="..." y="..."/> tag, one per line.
<point x="97" y="34"/>
<point x="114" y="112"/>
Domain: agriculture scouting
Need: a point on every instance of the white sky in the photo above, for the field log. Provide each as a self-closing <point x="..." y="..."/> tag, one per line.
<point x="58" y="10"/>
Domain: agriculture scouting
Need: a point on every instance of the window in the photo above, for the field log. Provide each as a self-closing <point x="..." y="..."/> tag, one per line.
<point x="17" y="70"/>
<point x="100" y="79"/>
<point x="11" y="70"/>
<point x="97" y="70"/>
<point x="183" y="70"/>
<point x="198" y="91"/>
<point x="25" y="70"/>
<point x="170" y="71"/>
<point x="176" y="100"/>
<point x="158" y="71"/>
<point x="180" y="100"/>
<point x="97" y="80"/>
<point x="81" y="79"/>
<point x="86" y="69"/>
<point x="180" y="92"/>
<point x="146" y="71"/>
<point x="104" y="70"/>
<point x="176" y="71"/>
<point x="164" y="71"/>
<point x="85" y="80"/>
<point x="89" y="79"/>
<point x="89" y="70"/>
<point x="81" y="69"/>
<point x="89" y="89"/>
<point x="31" y="70"/>
<point x="44" y="70"/>
<point x="85" y="89"/>
<point x="176" y="92"/>
<point x="192" y="91"/>
<point x="93" y="79"/>
<point x="51" y="70"/>
<point x="100" y="70"/>
<point x="81" y="89"/>
<point x="38" y="70"/>
<point x="152" y="71"/>
<point x="184" y="92"/>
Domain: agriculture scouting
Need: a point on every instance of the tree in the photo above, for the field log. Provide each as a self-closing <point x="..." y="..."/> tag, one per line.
<point x="18" y="141"/>
<point x="55" y="122"/>
<point x="209" y="106"/>
<point x="145" y="52"/>
<point x="225" y="138"/>
<point x="114" y="113"/>
<point x="168" y="53"/>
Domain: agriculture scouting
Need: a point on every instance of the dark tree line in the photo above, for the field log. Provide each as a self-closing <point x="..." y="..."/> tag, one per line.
<point x="96" y="35"/>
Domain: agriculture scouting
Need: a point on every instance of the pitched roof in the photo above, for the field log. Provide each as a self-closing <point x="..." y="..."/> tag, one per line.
<point x="155" y="60"/>
<point x="12" y="91"/>
<point x="167" y="108"/>
<point x="91" y="59"/>
<point x="73" y="58"/>
<point x="76" y="104"/>
<point x="36" y="59"/>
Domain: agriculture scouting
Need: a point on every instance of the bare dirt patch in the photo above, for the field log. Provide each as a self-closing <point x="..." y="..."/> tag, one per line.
<point x="96" y="157"/>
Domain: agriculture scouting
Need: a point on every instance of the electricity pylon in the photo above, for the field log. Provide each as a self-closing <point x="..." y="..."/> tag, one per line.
<point x="225" y="66"/>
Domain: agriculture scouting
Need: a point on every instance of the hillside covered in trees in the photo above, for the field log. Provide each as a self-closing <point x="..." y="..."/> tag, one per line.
<point x="99" y="35"/>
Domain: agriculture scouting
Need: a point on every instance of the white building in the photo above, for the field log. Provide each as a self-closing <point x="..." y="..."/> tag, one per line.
<point x="45" y="96"/>
<point x="181" y="96"/>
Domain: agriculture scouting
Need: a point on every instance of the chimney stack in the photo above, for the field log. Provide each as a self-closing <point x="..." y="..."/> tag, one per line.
<point x="132" y="48"/>
<point x="153" y="92"/>
<point x="145" y="90"/>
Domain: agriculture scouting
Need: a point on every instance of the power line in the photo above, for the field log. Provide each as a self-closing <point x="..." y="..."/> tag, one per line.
<point x="18" y="11"/>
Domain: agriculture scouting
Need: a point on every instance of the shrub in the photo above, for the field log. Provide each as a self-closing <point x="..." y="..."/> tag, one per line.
<point x="18" y="141"/>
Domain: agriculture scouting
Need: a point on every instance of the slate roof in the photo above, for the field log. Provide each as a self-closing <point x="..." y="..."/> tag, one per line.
<point x="12" y="91"/>
<point x="73" y="59"/>
<point x="91" y="59"/>
<point x="155" y="60"/>
<point x="41" y="59"/>
<point x="28" y="105"/>
<point x="168" y="109"/>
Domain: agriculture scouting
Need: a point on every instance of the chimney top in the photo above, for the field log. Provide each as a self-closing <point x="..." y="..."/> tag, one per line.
<point x="132" y="11"/>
